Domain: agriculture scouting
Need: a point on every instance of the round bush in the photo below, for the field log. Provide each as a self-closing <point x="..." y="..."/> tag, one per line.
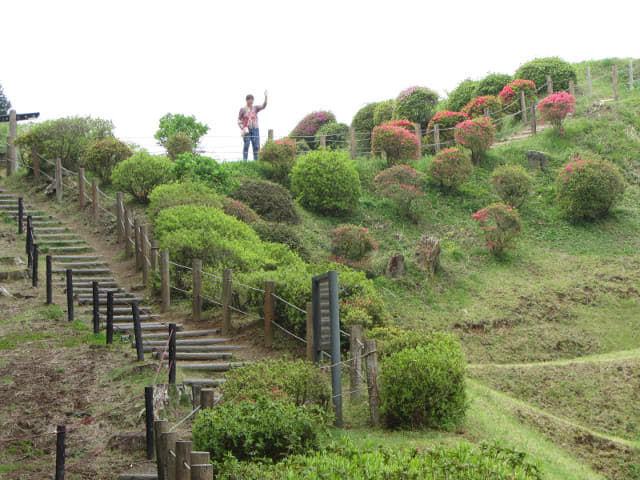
<point x="191" y="166"/>
<point x="397" y="142"/>
<point x="477" y="135"/>
<point x="450" y="168"/>
<point x="536" y="70"/>
<point x="416" y="104"/>
<point x="476" y="107"/>
<point x="555" y="107"/>
<point x="512" y="184"/>
<point x="403" y="174"/>
<point x="589" y="188"/>
<point x="446" y="122"/>
<point x="510" y="94"/>
<point x="337" y="135"/>
<point x="383" y="112"/>
<point x="177" y="144"/>
<point x="462" y="95"/>
<point x="402" y="123"/>
<point x="282" y="233"/>
<point x="182" y="193"/>
<point x="363" y="124"/>
<point x="239" y="210"/>
<point x="271" y="201"/>
<point x="277" y="158"/>
<point x="141" y="173"/>
<point x="403" y="185"/>
<point x="492" y="84"/>
<point x="101" y="156"/>
<point x="326" y="182"/>
<point x="308" y="127"/>
<point x="352" y="242"/>
<point x="501" y="227"/>
<point x="424" y="386"/>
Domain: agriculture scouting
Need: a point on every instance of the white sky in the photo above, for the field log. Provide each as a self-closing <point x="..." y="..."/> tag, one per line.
<point x="132" y="62"/>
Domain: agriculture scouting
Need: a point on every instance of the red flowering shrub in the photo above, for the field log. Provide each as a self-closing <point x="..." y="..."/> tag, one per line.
<point x="239" y="210"/>
<point x="510" y="94"/>
<point x="450" y="167"/>
<point x="403" y="185"/>
<point x="276" y="159"/>
<point x="397" y="142"/>
<point x="404" y="123"/>
<point x="555" y="108"/>
<point x="501" y="226"/>
<point x="477" y="135"/>
<point x="352" y="242"/>
<point x="308" y="127"/>
<point x="476" y="107"/>
<point x="588" y="188"/>
<point x="446" y="122"/>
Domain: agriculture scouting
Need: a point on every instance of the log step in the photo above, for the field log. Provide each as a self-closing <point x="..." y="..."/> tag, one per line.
<point x="103" y="296"/>
<point x="194" y="348"/>
<point x="189" y="333"/>
<point x="49" y="223"/>
<point x="188" y="356"/>
<point x="214" y="367"/>
<point x="70" y="249"/>
<point x="204" y="382"/>
<point x="116" y="300"/>
<point x="61" y="241"/>
<point x="84" y="271"/>
<point x="150" y="326"/>
<point x="88" y="282"/>
<point x="192" y="342"/>
<point x="128" y="319"/>
<point x="40" y="234"/>
<point x="118" y="311"/>
<point x="86" y="291"/>
<point x="54" y="230"/>
<point x="102" y="283"/>
<point x="138" y="476"/>
<point x="81" y="265"/>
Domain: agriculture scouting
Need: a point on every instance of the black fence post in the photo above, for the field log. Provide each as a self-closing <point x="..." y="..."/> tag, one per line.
<point x="96" y="306"/>
<point x="137" y="330"/>
<point x="29" y="239"/>
<point x="49" y="280"/>
<point x="172" y="353"/>
<point x="34" y="265"/>
<point x="69" y="274"/>
<point x="149" y="417"/>
<point x="20" y="215"/>
<point x="109" y="317"/>
<point x="60" y="451"/>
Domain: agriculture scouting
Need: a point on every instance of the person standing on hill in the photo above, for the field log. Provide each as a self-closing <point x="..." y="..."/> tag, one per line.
<point x="248" y="123"/>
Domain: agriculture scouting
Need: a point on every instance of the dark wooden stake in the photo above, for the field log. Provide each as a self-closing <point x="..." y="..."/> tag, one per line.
<point x="137" y="330"/>
<point x="96" y="306"/>
<point x="49" y="280"/>
<point x="149" y="417"/>
<point x="29" y="239"/>
<point x="69" y="274"/>
<point x="159" y="427"/>
<point x="172" y="353"/>
<point x="20" y="215"/>
<point x="60" y="451"/>
<point x="34" y="265"/>
<point x="109" y="317"/>
<point x="269" y="312"/>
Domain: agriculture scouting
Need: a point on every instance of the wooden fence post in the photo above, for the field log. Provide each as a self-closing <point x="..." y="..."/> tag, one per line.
<point x="589" y="82"/>
<point x="323" y="141"/>
<point x="549" y="85"/>
<point x="155" y="247"/>
<point x="207" y="398"/>
<point x="35" y="160"/>
<point x="61" y="432"/>
<point x="12" y="150"/>
<point x="137" y="243"/>
<point x="436" y="137"/>
<point x="614" y="74"/>
<point x="81" y="190"/>
<point x="196" y="272"/>
<point x="372" y="380"/>
<point x="227" y="292"/>
<point x="355" y="346"/>
<point x="270" y="134"/>
<point x="572" y="88"/>
<point x="487" y="113"/>
<point x="160" y="427"/>
<point x="119" y="216"/>
<point x="58" y="178"/>
<point x="630" y="74"/>
<point x="146" y="254"/>
<point x="200" y="458"/>
<point x="168" y="446"/>
<point x="183" y="460"/>
<point x="418" y="130"/>
<point x="149" y="416"/>
<point x="95" y="199"/>
<point x="532" y="115"/>
<point x="353" y="146"/>
<point x="128" y="251"/>
<point x="165" y="286"/>
<point x="269" y="290"/>
<point x="310" y="332"/>
<point x="202" y="471"/>
<point x="523" y="106"/>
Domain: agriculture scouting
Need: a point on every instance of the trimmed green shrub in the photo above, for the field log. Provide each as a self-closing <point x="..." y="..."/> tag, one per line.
<point x="141" y="173"/>
<point x="403" y="184"/>
<point x="239" y="210"/>
<point x="363" y="119"/>
<point x="326" y="182"/>
<point x="492" y="84"/>
<point x="337" y="135"/>
<point x="176" y="123"/>
<point x="352" y="242"/>
<point x="390" y="340"/>
<point x="276" y="159"/>
<point x="416" y="104"/>
<point x="177" y="144"/>
<point x="424" y="386"/>
<point x="285" y="234"/>
<point x="589" y="188"/>
<point x="450" y="168"/>
<point x="308" y="127"/>
<point x="462" y="94"/>
<point x="512" y="184"/>
<point x="383" y="112"/>
<point x="476" y="107"/>
<point x="397" y="142"/>
<point x="102" y="155"/>
<point x="476" y="135"/>
<point x="256" y="430"/>
<point x="536" y="70"/>
<point x="191" y="166"/>
<point x="500" y="225"/>
<point x="271" y="201"/>
<point x="299" y="382"/>
<point x="182" y="193"/>
<point x="446" y="122"/>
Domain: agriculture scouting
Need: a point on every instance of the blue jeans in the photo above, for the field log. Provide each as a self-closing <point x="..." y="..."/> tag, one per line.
<point x="252" y="137"/>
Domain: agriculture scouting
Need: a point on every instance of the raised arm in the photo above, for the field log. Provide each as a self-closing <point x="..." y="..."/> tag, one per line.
<point x="264" y="105"/>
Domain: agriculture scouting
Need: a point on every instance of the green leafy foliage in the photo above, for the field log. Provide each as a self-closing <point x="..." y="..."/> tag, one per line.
<point x="326" y="182"/>
<point x="141" y="173"/>
<point x="501" y="227"/>
<point x="450" y="168"/>
<point x="101" y="156"/>
<point x="176" y="123"/>
<point x="178" y="143"/>
<point x="307" y="128"/>
<point x="5" y="104"/>
<point x="403" y="184"/>
<point x="536" y="70"/>
<point x="477" y="135"/>
<point x="182" y="193"/>
<point x="336" y="135"/>
<point x="492" y="84"/>
<point x="589" y="188"/>
<point x="277" y="158"/>
<point x="190" y="166"/>
<point x="512" y="183"/>
<point x="271" y="201"/>
<point x="352" y="242"/>
<point x="462" y="94"/>
<point x="64" y="138"/>
<point x="446" y="121"/>
<point x="363" y="124"/>
<point x="424" y="386"/>
<point x="416" y="104"/>
<point x="383" y="112"/>
<point x="476" y="107"/>
<point x="239" y="210"/>
<point x="396" y="141"/>
<point x="283" y="233"/>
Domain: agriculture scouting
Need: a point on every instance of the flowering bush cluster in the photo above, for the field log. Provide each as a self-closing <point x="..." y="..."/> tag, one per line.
<point x="512" y="184"/>
<point x="309" y="125"/>
<point x="560" y="71"/>
<point x="450" y="167"/>
<point x="416" y="104"/>
<point x="446" y="121"/>
<point x="555" y="107"/>
<point x="352" y="242"/>
<point x="403" y="185"/>
<point x="510" y="94"/>
<point x="403" y="123"/>
<point x="383" y="112"/>
<point x="276" y="159"/>
<point x="501" y="226"/>
<point x="476" y="107"/>
<point x="589" y="188"/>
<point x="397" y="142"/>
<point x="476" y="135"/>
<point x="241" y="211"/>
<point x="336" y="135"/>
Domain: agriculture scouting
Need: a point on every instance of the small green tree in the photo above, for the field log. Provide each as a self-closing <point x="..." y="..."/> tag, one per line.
<point x="462" y="94"/>
<point x="101" y="156"/>
<point x="5" y="104"/>
<point x="177" y="144"/>
<point x="172" y="124"/>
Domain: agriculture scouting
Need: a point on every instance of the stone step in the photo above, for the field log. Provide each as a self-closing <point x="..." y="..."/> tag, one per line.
<point x="149" y="326"/>
<point x="204" y="382"/>
<point x="184" y="334"/>
<point x="199" y="356"/>
<point x="194" y="348"/>
<point x="212" y="367"/>
<point x="81" y="272"/>
<point x="191" y="342"/>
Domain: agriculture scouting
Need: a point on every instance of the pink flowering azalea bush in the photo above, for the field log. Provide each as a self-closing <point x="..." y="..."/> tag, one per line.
<point x="450" y="168"/>
<point x="588" y="188"/>
<point x="500" y="225"/>
<point x="554" y="108"/>
<point x="276" y="159"/>
<point x="446" y="121"/>
<point x="403" y="184"/>
<point x="476" y="107"/>
<point x="476" y="135"/>
<point x="510" y="94"/>
<point x="416" y="104"/>
<point x="308" y="127"/>
<point x="352" y="242"/>
<point x="404" y="123"/>
<point x="512" y="183"/>
<point x="397" y="142"/>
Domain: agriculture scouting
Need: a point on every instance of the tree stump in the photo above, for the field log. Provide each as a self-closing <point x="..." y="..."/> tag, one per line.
<point x="428" y="253"/>
<point x="395" y="265"/>
<point x="537" y="159"/>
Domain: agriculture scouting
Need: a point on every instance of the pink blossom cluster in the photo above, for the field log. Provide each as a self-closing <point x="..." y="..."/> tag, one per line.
<point x="511" y="90"/>
<point x="554" y="108"/>
<point x="397" y="142"/>
<point x="310" y="124"/>
<point x="501" y="226"/>
<point x="476" y="134"/>
<point x="475" y="108"/>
